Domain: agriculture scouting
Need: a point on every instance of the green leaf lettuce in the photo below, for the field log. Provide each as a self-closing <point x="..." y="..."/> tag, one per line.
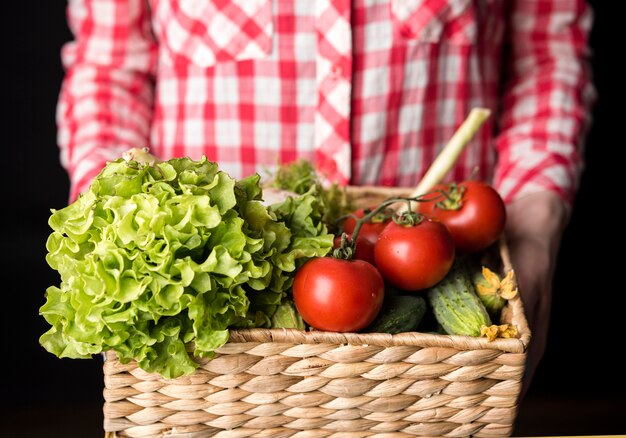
<point x="156" y="258"/>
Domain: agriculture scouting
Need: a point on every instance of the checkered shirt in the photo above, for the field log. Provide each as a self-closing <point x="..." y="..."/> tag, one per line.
<point x="368" y="90"/>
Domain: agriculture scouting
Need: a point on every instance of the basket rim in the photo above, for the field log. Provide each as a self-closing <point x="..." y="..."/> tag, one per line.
<point x="458" y="342"/>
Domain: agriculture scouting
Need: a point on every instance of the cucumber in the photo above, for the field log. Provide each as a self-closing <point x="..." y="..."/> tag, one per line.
<point x="400" y="313"/>
<point x="455" y="304"/>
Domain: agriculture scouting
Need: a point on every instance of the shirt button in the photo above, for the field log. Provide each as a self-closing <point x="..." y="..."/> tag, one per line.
<point x="336" y="72"/>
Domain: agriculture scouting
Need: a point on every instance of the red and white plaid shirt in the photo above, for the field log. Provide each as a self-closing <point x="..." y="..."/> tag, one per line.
<point x="370" y="90"/>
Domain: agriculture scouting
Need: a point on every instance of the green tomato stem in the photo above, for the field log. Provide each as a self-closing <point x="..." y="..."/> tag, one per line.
<point x="379" y="208"/>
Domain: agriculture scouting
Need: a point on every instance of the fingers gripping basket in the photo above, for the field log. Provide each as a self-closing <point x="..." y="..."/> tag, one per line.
<point x="290" y="383"/>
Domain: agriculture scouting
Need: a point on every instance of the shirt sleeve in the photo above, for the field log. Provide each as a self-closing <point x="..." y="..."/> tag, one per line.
<point x="105" y="104"/>
<point x="547" y="97"/>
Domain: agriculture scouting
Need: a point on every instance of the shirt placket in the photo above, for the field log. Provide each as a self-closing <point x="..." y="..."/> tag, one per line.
<point x="333" y="76"/>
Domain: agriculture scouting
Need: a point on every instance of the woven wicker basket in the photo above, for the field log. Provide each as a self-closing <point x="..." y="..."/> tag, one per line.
<point x="290" y="383"/>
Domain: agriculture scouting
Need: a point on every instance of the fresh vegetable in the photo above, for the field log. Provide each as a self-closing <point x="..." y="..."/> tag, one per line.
<point x="286" y="316"/>
<point x="499" y="331"/>
<point x="371" y="228"/>
<point x="399" y="314"/>
<point x="338" y="295"/>
<point x="416" y="255"/>
<point x="492" y="290"/>
<point x="455" y="304"/>
<point x="158" y="255"/>
<point x="362" y="249"/>
<point x="473" y="212"/>
<point x="300" y="177"/>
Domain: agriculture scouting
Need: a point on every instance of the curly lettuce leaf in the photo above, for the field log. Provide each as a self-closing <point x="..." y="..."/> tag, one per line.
<point x="156" y="258"/>
<point x="300" y="177"/>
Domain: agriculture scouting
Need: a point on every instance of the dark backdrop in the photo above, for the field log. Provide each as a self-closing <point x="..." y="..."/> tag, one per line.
<point x="588" y="317"/>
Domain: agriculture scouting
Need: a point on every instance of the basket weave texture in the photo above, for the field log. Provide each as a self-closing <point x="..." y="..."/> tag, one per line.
<point x="290" y="383"/>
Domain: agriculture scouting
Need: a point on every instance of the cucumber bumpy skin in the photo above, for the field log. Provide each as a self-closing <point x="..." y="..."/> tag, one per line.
<point x="455" y="304"/>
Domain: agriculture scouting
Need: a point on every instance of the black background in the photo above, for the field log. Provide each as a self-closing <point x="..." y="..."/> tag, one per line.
<point x="579" y="388"/>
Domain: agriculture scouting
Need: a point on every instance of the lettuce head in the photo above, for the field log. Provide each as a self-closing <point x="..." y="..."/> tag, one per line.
<point x="157" y="261"/>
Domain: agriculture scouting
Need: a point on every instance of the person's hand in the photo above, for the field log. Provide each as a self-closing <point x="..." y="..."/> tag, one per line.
<point x="534" y="227"/>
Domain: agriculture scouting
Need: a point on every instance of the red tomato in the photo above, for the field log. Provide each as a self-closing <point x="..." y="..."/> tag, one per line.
<point x="369" y="230"/>
<point x="364" y="248"/>
<point x="475" y="214"/>
<point x="414" y="257"/>
<point x="338" y="295"/>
